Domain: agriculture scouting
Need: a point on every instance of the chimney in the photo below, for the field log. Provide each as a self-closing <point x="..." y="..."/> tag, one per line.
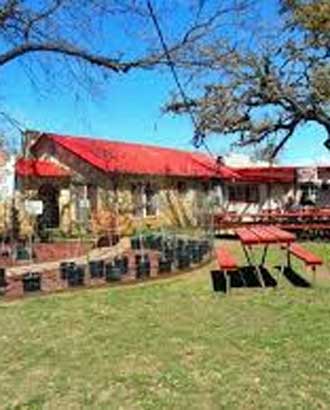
<point x="28" y="139"/>
<point x="219" y="160"/>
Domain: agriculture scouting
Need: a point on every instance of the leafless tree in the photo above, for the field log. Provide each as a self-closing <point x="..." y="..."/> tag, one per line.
<point x="267" y="88"/>
<point x="70" y="42"/>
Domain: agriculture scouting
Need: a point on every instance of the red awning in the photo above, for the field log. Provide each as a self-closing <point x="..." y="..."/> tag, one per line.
<point x="39" y="168"/>
<point x="129" y="158"/>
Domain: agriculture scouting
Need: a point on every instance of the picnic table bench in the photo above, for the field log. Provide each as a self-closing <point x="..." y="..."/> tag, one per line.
<point x="227" y="264"/>
<point x="261" y="236"/>
<point x="309" y="258"/>
<point x="265" y="236"/>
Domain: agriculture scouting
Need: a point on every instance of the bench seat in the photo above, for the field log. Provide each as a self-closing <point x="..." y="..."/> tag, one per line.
<point x="227" y="265"/>
<point x="305" y="255"/>
<point x="225" y="259"/>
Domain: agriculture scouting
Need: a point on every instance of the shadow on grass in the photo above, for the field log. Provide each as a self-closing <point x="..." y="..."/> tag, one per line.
<point x="245" y="277"/>
<point x="295" y="279"/>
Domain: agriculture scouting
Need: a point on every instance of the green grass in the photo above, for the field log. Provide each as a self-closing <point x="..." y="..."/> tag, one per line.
<point x="168" y="345"/>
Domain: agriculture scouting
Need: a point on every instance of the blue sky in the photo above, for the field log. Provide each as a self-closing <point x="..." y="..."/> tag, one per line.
<point x="128" y="108"/>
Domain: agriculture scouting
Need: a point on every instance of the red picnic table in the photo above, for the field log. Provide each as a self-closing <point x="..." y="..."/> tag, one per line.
<point x="264" y="236"/>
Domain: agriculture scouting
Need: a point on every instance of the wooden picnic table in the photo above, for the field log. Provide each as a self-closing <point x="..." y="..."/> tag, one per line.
<point x="264" y="236"/>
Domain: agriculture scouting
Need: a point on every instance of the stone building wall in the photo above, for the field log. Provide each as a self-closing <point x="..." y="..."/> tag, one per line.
<point x="110" y="195"/>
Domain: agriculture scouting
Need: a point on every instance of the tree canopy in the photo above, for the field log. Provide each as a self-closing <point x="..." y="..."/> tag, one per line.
<point x="82" y="43"/>
<point x="267" y="87"/>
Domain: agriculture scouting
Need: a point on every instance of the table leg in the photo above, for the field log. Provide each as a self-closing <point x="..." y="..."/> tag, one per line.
<point x="228" y="284"/>
<point x="314" y="275"/>
<point x="254" y="263"/>
<point x="286" y="262"/>
<point x="247" y="256"/>
<point x="264" y="255"/>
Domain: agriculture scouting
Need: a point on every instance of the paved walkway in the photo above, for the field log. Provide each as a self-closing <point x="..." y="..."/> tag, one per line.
<point x="95" y="254"/>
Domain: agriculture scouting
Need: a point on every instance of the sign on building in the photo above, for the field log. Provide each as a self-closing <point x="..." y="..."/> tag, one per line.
<point x="7" y="178"/>
<point x="84" y="203"/>
<point x="307" y="174"/>
<point x="33" y="207"/>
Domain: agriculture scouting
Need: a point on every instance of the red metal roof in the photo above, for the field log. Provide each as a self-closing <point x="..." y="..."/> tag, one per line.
<point x="267" y="174"/>
<point x="130" y="158"/>
<point x="25" y="167"/>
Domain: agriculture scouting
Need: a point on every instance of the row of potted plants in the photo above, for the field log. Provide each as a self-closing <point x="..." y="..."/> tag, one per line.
<point x="175" y="253"/>
<point x="111" y="271"/>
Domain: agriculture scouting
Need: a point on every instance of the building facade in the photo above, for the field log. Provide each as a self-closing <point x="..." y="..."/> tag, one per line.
<point x="101" y="185"/>
<point x="82" y="181"/>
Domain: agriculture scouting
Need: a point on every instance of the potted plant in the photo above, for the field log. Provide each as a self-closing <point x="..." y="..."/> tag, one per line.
<point x="75" y="275"/>
<point x="112" y="272"/>
<point x="96" y="268"/>
<point x="143" y="266"/>
<point x="164" y="264"/>
<point x="31" y="282"/>
<point x="3" y="282"/>
<point x="122" y="263"/>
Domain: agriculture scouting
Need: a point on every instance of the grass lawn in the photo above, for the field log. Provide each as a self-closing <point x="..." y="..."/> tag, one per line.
<point x="169" y="345"/>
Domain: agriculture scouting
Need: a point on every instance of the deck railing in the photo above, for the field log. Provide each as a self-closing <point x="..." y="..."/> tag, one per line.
<point x="306" y="222"/>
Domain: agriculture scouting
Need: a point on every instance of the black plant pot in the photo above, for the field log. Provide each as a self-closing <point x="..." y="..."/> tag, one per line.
<point x="31" y="282"/>
<point x="158" y="243"/>
<point x="122" y="264"/>
<point x="3" y="282"/>
<point x="168" y="254"/>
<point x="66" y="268"/>
<point x="143" y="267"/>
<point x="112" y="272"/>
<point x="180" y="244"/>
<point x="164" y="265"/>
<point x="22" y="254"/>
<point x="75" y="276"/>
<point x="181" y="249"/>
<point x="136" y="243"/>
<point x="96" y="269"/>
<point x="183" y="259"/>
<point x="205" y="247"/>
<point x="149" y="241"/>
<point x="196" y="254"/>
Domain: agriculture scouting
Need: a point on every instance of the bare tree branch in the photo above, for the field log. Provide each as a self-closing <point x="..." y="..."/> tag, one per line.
<point x="265" y="93"/>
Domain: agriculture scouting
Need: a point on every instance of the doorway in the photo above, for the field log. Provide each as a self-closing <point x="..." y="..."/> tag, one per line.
<point x="50" y="217"/>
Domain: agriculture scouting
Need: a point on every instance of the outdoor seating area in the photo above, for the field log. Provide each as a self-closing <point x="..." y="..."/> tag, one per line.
<point x="255" y="242"/>
<point x="307" y="223"/>
<point x="142" y="257"/>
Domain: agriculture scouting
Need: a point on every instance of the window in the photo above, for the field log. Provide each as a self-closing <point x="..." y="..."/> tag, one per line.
<point x="309" y="193"/>
<point x="79" y="196"/>
<point x="92" y="196"/>
<point x="150" y="200"/>
<point x="50" y="217"/>
<point x="144" y="198"/>
<point x="206" y="187"/>
<point x="252" y="193"/>
<point x="137" y="199"/>
<point x="181" y="187"/>
<point x="243" y="193"/>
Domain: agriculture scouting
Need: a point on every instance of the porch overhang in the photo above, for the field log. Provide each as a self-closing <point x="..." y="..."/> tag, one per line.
<point x="37" y="168"/>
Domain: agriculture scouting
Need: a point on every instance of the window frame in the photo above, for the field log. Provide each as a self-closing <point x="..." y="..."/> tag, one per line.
<point x="244" y="193"/>
<point x="140" y="207"/>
